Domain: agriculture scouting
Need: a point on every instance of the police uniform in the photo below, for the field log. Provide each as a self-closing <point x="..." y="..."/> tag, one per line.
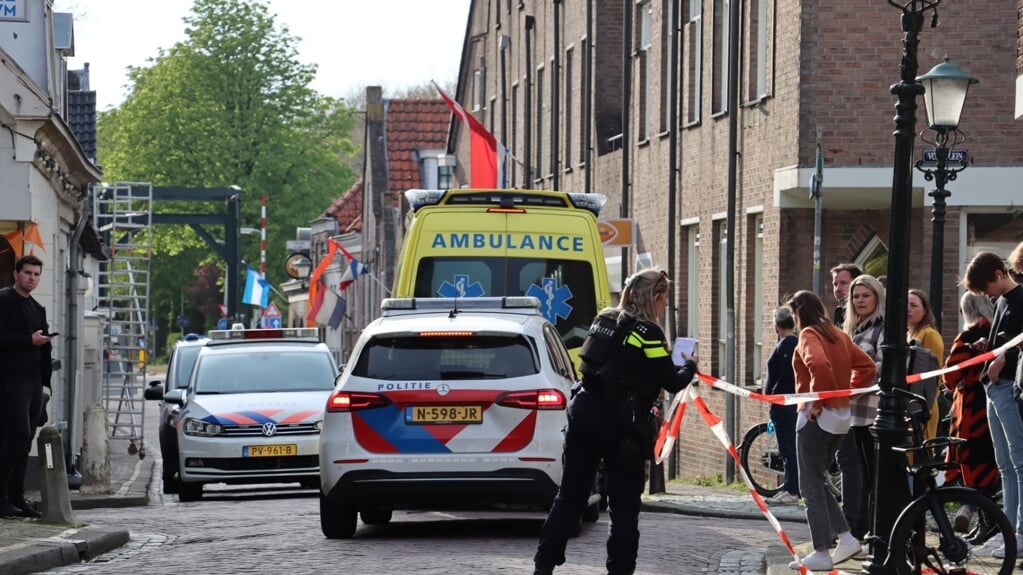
<point x="625" y="363"/>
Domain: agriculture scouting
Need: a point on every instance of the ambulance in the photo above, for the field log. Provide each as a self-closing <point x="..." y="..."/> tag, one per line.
<point x="466" y="243"/>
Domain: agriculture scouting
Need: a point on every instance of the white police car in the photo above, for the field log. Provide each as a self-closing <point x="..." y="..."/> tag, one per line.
<point x="253" y="409"/>
<point x="446" y="404"/>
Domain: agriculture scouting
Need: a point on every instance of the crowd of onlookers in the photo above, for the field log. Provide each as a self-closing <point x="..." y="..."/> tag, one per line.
<point x="819" y="352"/>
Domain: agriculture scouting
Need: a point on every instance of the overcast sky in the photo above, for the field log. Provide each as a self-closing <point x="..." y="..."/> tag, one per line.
<point x="391" y="43"/>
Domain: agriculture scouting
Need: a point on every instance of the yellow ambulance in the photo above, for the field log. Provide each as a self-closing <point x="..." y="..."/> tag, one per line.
<point x="463" y="243"/>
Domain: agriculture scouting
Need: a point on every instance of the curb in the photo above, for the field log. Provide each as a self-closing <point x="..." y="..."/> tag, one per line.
<point x="81" y="545"/>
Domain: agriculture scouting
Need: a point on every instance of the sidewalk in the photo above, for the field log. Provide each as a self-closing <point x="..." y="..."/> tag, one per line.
<point x="31" y="545"/>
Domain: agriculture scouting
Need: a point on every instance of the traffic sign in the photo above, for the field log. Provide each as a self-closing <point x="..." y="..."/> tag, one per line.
<point x="271" y="322"/>
<point x="272" y="311"/>
<point x="222" y="323"/>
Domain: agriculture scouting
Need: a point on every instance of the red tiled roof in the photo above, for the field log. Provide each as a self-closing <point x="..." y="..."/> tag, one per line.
<point x="412" y="125"/>
<point x="347" y="209"/>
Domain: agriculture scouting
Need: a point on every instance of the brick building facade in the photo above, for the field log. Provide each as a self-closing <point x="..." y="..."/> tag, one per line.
<point x="547" y="79"/>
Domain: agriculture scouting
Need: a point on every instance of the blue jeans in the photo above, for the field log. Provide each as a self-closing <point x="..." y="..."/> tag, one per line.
<point x="816" y="450"/>
<point x="784" y="418"/>
<point x="1006" y="425"/>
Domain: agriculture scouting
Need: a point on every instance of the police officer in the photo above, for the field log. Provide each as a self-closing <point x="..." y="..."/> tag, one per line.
<point x="625" y="363"/>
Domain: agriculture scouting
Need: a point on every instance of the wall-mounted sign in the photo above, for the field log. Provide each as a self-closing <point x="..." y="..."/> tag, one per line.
<point x="616" y="232"/>
<point x="14" y="10"/>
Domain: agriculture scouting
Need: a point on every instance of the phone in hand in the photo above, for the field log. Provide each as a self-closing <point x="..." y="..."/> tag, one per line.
<point x="54" y="334"/>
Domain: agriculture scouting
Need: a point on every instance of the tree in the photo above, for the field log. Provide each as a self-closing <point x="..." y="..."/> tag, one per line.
<point x="230" y="105"/>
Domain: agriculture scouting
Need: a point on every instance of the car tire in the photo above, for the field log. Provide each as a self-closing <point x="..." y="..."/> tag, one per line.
<point x="189" y="491"/>
<point x="337" y="521"/>
<point x="375" y="516"/>
<point x="170" y="486"/>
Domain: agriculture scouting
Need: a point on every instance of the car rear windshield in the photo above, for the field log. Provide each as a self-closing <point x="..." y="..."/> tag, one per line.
<point x="258" y="371"/>
<point x="565" y="288"/>
<point x="444" y="357"/>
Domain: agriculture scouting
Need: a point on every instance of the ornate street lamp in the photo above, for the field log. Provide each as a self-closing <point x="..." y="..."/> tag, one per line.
<point x="945" y="93"/>
<point x="890" y="486"/>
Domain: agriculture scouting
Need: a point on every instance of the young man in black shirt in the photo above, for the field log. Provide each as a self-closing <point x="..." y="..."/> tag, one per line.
<point x="988" y="274"/>
<point x="24" y="369"/>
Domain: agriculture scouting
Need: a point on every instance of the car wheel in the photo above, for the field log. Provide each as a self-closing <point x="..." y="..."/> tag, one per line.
<point x="337" y="521"/>
<point x="375" y="516"/>
<point x="189" y="491"/>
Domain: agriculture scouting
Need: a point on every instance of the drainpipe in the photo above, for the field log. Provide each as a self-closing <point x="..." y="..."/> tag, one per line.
<point x="731" y="417"/>
<point x="587" y="98"/>
<point x="556" y="100"/>
<point x="674" y="151"/>
<point x="72" y="340"/>
<point x="626" y="137"/>
<point x="527" y="124"/>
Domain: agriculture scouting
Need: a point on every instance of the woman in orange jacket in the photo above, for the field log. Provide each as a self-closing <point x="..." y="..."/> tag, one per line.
<point x="826" y="359"/>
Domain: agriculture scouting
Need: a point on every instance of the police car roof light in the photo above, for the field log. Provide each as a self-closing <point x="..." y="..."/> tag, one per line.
<point x="303" y="333"/>
<point x="463" y="304"/>
<point x="191" y="337"/>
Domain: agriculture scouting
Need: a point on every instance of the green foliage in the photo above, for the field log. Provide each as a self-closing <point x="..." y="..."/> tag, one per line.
<point x="230" y="105"/>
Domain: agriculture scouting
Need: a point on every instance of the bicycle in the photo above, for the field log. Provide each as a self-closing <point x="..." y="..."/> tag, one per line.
<point x="925" y="538"/>
<point x="760" y="447"/>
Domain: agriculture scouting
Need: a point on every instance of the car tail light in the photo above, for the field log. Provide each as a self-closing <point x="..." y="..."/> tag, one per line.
<point x="342" y="401"/>
<point x="533" y="399"/>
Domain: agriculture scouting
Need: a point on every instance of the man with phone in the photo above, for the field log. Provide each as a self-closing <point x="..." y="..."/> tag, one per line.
<point x="25" y="368"/>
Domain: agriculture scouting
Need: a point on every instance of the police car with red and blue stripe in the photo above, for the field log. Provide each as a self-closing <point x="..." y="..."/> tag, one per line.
<point x="446" y="404"/>
<point x="253" y="409"/>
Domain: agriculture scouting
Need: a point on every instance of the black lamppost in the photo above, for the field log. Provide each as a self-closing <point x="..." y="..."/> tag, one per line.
<point x="945" y="93"/>
<point x="890" y="487"/>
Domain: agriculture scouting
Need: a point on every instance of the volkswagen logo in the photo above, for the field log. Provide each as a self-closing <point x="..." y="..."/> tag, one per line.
<point x="443" y="389"/>
<point x="269" y="429"/>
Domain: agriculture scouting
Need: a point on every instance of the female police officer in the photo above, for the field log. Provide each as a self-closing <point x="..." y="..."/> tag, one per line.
<point x="625" y="363"/>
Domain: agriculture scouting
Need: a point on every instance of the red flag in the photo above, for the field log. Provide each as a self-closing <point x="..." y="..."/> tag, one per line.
<point x="485" y="171"/>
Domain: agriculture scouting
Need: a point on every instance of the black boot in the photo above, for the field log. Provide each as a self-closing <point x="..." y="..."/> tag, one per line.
<point x="26" y="508"/>
<point x="6" y="509"/>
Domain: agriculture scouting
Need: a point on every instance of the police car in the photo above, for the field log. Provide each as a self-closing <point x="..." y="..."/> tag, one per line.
<point x="446" y="404"/>
<point x="179" y="368"/>
<point x="253" y="409"/>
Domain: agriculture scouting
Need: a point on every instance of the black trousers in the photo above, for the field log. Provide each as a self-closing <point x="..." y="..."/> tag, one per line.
<point x="20" y="404"/>
<point x="590" y="438"/>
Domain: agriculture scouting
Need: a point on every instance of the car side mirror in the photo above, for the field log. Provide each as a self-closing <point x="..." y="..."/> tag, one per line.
<point x="175" y="396"/>
<point x="154" y="391"/>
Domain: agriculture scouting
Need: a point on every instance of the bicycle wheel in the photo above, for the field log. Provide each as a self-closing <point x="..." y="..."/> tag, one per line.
<point x="923" y="542"/>
<point x="761" y="460"/>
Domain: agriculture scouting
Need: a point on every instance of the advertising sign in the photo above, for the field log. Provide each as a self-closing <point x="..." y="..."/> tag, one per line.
<point x="14" y="10"/>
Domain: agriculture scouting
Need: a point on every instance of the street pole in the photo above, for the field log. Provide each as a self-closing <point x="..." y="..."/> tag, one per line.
<point x="939" y="194"/>
<point x="889" y="429"/>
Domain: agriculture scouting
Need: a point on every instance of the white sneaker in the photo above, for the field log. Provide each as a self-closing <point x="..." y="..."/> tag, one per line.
<point x="846" y="549"/>
<point x="999" y="553"/>
<point x="816" y="561"/>
<point x="783" y="498"/>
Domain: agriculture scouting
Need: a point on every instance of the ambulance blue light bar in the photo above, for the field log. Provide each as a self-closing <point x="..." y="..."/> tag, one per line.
<point x="303" y="333"/>
<point x="506" y="199"/>
<point x="397" y="304"/>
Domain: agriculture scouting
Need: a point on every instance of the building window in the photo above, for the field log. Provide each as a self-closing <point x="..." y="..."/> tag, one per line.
<point x="667" y="33"/>
<point x="755" y="300"/>
<point x="513" y="180"/>
<point x="477" y="90"/>
<point x="569" y="102"/>
<point x="693" y="281"/>
<point x="643" y="45"/>
<point x="445" y="177"/>
<point x="692" y="79"/>
<point x="756" y="58"/>
<point x="721" y="293"/>
<point x="720" y="71"/>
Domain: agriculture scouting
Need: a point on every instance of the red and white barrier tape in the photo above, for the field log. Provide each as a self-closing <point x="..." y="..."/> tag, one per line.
<point x="676" y="410"/>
